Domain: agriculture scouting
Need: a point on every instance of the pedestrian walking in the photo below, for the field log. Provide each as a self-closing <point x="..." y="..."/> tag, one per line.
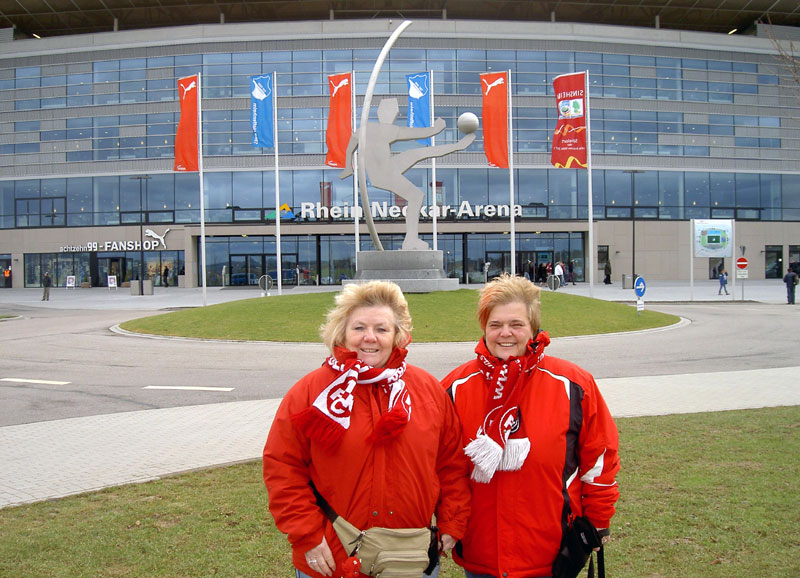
<point x="723" y="282"/>
<point x="791" y="281"/>
<point x="607" y="273"/>
<point x="571" y="272"/>
<point x="47" y="282"/>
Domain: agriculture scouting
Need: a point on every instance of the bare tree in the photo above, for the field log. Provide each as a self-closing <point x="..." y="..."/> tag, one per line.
<point x="787" y="52"/>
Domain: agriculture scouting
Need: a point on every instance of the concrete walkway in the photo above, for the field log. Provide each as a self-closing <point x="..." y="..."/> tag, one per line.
<point x="58" y="458"/>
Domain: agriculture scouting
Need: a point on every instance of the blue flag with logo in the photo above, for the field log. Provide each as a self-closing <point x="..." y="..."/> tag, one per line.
<point x="419" y="102"/>
<point x="261" y="110"/>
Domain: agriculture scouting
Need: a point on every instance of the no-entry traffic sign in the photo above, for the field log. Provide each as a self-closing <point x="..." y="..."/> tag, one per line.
<point x="741" y="263"/>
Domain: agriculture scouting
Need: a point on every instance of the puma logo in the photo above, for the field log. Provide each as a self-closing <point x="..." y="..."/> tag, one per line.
<point x="489" y="87"/>
<point x="336" y="87"/>
<point x="186" y="89"/>
<point x="154" y="235"/>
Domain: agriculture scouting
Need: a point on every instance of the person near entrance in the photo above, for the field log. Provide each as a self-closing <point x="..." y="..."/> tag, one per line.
<point x="165" y="277"/>
<point x="378" y="439"/>
<point x="607" y="273"/>
<point x="542" y="443"/>
<point x="791" y="281"/>
<point x="723" y="282"/>
<point x="47" y="282"/>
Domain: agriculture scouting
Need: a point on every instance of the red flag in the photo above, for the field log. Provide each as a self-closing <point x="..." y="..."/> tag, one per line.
<point x="569" y="138"/>
<point x="186" y="158"/>
<point x="339" y="119"/>
<point x="494" y="87"/>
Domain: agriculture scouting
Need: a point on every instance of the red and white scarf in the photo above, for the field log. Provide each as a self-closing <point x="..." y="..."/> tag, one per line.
<point x="328" y="418"/>
<point x="501" y="442"/>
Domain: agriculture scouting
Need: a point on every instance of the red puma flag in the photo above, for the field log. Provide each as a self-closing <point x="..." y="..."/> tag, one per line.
<point x="569" y="138"/>
<point x="339" y="119"/>
<point x="494" y="87"/>
<point x="186" y="158"/>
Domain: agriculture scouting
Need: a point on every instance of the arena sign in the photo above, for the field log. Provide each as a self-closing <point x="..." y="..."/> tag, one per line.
<point x="385" y="211"/>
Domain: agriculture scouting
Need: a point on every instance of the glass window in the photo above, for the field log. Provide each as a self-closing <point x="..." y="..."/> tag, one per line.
<point x="247" y="189"/>
<point x="770" y="197"/>
<point x="646" y="190"/>
<point x="618" y="189"/>
<point x="27" y="77"/>
<point x="79" y="202"/>
<point x="722" y="190"/>
<point x="697" y="195"/>
<point x="26" y="126"/>
<point x="161" y="193"/>
<point x="670" y="194"/>
<point x="105" y="71"/>
<point x="563" y="189"/>
<point x="747" y="190"/>
<point x="721" y="124"/>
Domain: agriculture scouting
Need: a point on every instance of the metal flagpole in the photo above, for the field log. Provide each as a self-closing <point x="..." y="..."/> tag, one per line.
<point x="277" y="181"/>
<point x="511" y="180"/>
<point x="202" y="193"/>
<point x="433" y="171"/>
<point x="355" y="163"/>
<point x="590" y="260"/>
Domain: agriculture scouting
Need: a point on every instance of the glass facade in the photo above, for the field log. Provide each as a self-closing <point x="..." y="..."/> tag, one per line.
<point x="678" y="132"/>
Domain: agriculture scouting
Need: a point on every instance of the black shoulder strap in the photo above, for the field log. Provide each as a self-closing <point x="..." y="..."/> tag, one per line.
<point x="324" y="505"/>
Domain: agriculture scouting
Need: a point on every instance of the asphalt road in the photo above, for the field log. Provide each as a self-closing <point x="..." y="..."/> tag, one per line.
<point x="96" y="371"/>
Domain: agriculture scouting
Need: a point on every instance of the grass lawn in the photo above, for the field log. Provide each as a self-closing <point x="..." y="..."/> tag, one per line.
<point x="708" y="495"/>
<point x="440" y="316"/>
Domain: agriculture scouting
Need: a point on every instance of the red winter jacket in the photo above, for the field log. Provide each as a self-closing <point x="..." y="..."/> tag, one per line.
<point x="399" y="484"/>
<point x="517" y="518"/>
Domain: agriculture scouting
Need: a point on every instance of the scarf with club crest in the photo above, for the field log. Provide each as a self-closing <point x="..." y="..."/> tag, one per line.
<point x="501" y="442"/>
<point x="328" y="418"/>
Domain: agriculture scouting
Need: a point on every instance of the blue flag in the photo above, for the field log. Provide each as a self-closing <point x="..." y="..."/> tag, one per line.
<point x="261" y="110"/>
<point x="419" y="102"/>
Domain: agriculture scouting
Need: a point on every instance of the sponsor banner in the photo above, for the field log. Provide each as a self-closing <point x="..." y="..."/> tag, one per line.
<point x="494" y="87"/>
<point x="340" y="124"/>
<point x="186" y="137"/>
<point x="569" y="137"/>
<point x="712" y="237"/>
<point x="261" y="92"/>
<point x="419" y="102"/>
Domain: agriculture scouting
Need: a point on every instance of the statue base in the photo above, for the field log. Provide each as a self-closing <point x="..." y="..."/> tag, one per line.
<point x="413" y="271"/>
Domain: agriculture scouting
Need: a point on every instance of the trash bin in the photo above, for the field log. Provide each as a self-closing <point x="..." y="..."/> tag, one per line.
<point x="627" y="281"/>
<point x="147" y="287"/>
<point x="136" y="287"/>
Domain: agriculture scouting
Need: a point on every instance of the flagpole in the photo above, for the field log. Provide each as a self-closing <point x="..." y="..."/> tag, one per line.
<point x="433" y="171"/>
<point x="277" y="181"/>
<point x="511" y="180"/>
<point x="202" y="193"/>
<point x="355" y="163"/>
<point x="590" y="259"/>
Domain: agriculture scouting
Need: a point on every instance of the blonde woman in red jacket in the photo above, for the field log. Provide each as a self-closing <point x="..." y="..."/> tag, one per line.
<point x="541" y="440"/>
<point x="378" y="438"/>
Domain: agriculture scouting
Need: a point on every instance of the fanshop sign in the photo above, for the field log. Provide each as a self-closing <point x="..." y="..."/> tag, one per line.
<point x="153" y="242"/>
<point x="386" y="211"/>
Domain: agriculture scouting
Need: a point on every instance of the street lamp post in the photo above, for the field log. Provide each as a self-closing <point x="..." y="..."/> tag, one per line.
<point x="633" y="174"/>
<point x="141" y="178"/>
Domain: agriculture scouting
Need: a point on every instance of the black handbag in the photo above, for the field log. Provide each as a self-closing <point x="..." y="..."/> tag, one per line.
<point x="577" y="545"/>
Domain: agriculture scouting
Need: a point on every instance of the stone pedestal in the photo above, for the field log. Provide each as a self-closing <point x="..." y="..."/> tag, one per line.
<point x="413" y="271"/>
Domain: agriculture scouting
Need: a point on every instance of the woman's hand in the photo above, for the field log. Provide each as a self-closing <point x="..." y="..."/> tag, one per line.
<point x="320" y="558"/>
<point x="446" y="543"/>
<point x="604" y="537"/>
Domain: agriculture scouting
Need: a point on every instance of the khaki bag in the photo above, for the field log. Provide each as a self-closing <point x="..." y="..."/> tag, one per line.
<point x="387" y="552"/>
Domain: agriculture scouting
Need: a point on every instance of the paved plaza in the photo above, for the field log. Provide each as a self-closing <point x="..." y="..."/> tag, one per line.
<point x="61" y="457"/>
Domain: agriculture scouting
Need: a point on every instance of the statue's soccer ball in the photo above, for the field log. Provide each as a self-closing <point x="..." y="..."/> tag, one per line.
<point x="467" y="123"/>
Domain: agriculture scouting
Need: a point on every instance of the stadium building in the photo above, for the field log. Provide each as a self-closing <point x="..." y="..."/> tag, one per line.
<point x="688" y="121"/>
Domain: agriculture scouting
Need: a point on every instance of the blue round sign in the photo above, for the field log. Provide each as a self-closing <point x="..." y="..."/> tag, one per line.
<point x="640" y="286"/>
